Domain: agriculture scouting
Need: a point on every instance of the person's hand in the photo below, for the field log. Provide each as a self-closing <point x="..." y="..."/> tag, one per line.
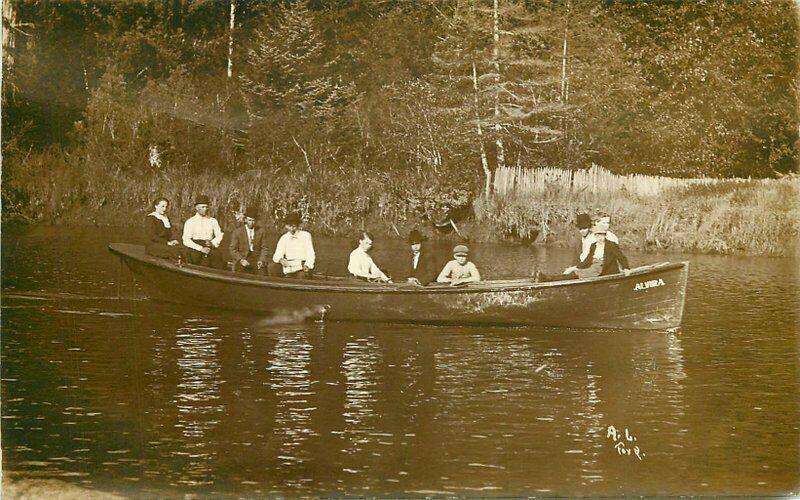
<point x="570" y="269"/>
<point x="205" y="250"/>
<point x="260" y="264"/>
<point x="284" y="262"/>
<point x="455" y="282"/>
<point x="172" y="243"/>
<point x="306" y="268"/>
<point x="244" y="263"/>
<point x="414" y="281"/>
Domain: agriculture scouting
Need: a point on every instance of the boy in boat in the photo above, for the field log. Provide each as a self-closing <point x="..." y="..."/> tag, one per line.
<point x="584" y="224"/>
<point x="294" y="255"/>
<point x="361" y="265"/>
<point x="248" y="245"/>
<point x="459" y="270"/>
<point x="202" y="236"/>
<point x="422" y="267"/>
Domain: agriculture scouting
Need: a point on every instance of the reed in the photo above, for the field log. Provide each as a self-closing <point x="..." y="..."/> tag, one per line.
<point x="705" y="215"/>
<point x="716" y="216"/>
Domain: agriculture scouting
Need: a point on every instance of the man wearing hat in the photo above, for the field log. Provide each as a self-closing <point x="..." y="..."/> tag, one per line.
<point x="604" y="256"/>
<point x="202" y="236"/>
<point x="459" y="270"/>
<point x="294" y="254"/>
<point x="584" y="223"/>
<point x="422" y="267"/>
<point x="248" y="246"/>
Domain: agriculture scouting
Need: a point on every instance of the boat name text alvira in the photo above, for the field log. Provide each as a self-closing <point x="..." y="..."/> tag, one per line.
<point x="649" y="284"/>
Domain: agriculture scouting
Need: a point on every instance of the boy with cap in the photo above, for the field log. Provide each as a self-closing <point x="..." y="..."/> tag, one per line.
<point x="603" y="258"/>
<point x="459" y="270"/>
<point x="202" y="236"/>
<point x="248" y="245"/>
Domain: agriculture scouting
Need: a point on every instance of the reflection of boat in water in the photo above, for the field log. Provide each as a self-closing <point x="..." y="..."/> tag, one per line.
<point x="650" y="297"/>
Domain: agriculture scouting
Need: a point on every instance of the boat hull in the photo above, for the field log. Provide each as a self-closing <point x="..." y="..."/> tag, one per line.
<point x="649" y="298"/>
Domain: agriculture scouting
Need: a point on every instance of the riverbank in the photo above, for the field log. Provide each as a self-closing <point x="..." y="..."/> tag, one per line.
<point x="759" y="217"/>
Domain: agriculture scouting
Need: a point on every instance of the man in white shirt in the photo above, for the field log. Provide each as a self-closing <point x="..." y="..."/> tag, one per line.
<point x="202" y="236"/>
<point x="294" y="254"/>
<point x="361" y="264"/>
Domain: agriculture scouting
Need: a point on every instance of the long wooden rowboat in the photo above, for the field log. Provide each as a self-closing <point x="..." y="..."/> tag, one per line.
<point x="650" y="297"/>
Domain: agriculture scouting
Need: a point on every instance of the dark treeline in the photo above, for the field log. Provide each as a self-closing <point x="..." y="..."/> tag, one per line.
<point x="378" y="101"/>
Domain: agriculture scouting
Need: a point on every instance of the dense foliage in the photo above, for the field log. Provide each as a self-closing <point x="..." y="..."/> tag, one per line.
<point x="400" y="98"/>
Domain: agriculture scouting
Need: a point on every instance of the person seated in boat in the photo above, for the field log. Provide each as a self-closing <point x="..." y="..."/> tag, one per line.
<point x="361" y="265"/>
<point x="161" y="240"/>
<point x="604" y="257"/>
<point x="202" y="236"/>
<point x="459" y="270"/>
<point x="228" y="227"/>
<point x="585" y="223"/>
<point x="422" y="266"/>
<point x="294" y="255"/>
<point x="248" y="245"/>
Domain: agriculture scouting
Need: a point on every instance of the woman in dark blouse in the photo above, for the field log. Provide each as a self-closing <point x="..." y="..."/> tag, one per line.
<point x="161" y="241"/>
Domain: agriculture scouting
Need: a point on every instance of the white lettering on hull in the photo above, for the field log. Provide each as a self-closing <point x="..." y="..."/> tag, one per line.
<point x="648" y="284"/>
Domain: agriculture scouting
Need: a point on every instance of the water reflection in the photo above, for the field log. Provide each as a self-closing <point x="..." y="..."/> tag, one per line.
<point x="197" y="399"/>
<point x="172" y="402"/>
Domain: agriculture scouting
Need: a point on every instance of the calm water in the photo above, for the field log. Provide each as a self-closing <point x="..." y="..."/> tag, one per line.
<point x="149" y="399"/>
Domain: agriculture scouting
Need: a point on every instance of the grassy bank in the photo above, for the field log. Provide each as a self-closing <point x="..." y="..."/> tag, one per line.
<point x="756" y="217"/>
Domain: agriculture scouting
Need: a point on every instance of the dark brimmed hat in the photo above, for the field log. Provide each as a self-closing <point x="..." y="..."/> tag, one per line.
<point x="416" y="237"/>
<point x="461" y="250"/>
<point x="583" y="221"/>
<point x="251" y="213"/>
<point x="292" y="219"/>
<point x="202" y="200"/>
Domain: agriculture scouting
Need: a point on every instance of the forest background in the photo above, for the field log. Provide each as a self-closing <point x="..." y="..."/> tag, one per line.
<point x="394" y="114"/>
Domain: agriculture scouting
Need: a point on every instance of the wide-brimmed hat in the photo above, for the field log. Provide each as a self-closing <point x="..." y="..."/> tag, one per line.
<point x="202" y="200"/>
<point x="601" y="226"/>
<point x="292" y="219"/>
<point x="583" y="221"/>
<point x="251" y="213"/>
<point x="416" y="237"/>
<point x="460" y="250"/>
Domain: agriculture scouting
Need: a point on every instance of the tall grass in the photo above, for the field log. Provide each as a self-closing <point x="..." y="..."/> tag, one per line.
<point x="751" y="217"/>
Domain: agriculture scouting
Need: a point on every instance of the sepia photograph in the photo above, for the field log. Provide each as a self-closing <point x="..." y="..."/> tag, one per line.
<point x="400" y="249"/>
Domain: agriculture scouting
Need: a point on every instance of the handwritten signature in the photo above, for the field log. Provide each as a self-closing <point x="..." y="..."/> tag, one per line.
<point x="623" y="443"/>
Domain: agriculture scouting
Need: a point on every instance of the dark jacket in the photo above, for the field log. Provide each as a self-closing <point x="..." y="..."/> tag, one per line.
<point x="427" y="269"/>
<point x="156" y="232"/>
<point x="240" y="248"/>
<point x="613" y="259"/>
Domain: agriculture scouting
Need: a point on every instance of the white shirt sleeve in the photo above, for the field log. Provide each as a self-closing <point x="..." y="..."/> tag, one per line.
<point x="217" y="233"/>
<point x="310" y="255"/>
<point x="352" y="264"/>
<point x="280" y="249"/>
<point x="188" y="231"/>
<point x="444" y="276"/>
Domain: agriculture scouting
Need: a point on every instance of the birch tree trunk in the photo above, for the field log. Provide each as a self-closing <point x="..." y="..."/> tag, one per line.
<point x="9" y="20"/>
<point x="501" y="159"/>
<point x="484" y="161"/>
<point x="564" y="85"/>
<point x="230" y="38"/>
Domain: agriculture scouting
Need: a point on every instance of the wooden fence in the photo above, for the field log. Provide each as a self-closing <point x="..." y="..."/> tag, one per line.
<point x="593" y="180"/>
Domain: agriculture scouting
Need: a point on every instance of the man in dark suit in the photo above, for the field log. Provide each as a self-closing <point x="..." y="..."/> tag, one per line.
<point x="422" y="268"/>
<point x="248" y="246"/>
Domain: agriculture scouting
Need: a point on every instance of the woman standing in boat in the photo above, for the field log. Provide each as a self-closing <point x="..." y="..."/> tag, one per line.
<point x="161" y="240"/>
<point x="361" y="264"/>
